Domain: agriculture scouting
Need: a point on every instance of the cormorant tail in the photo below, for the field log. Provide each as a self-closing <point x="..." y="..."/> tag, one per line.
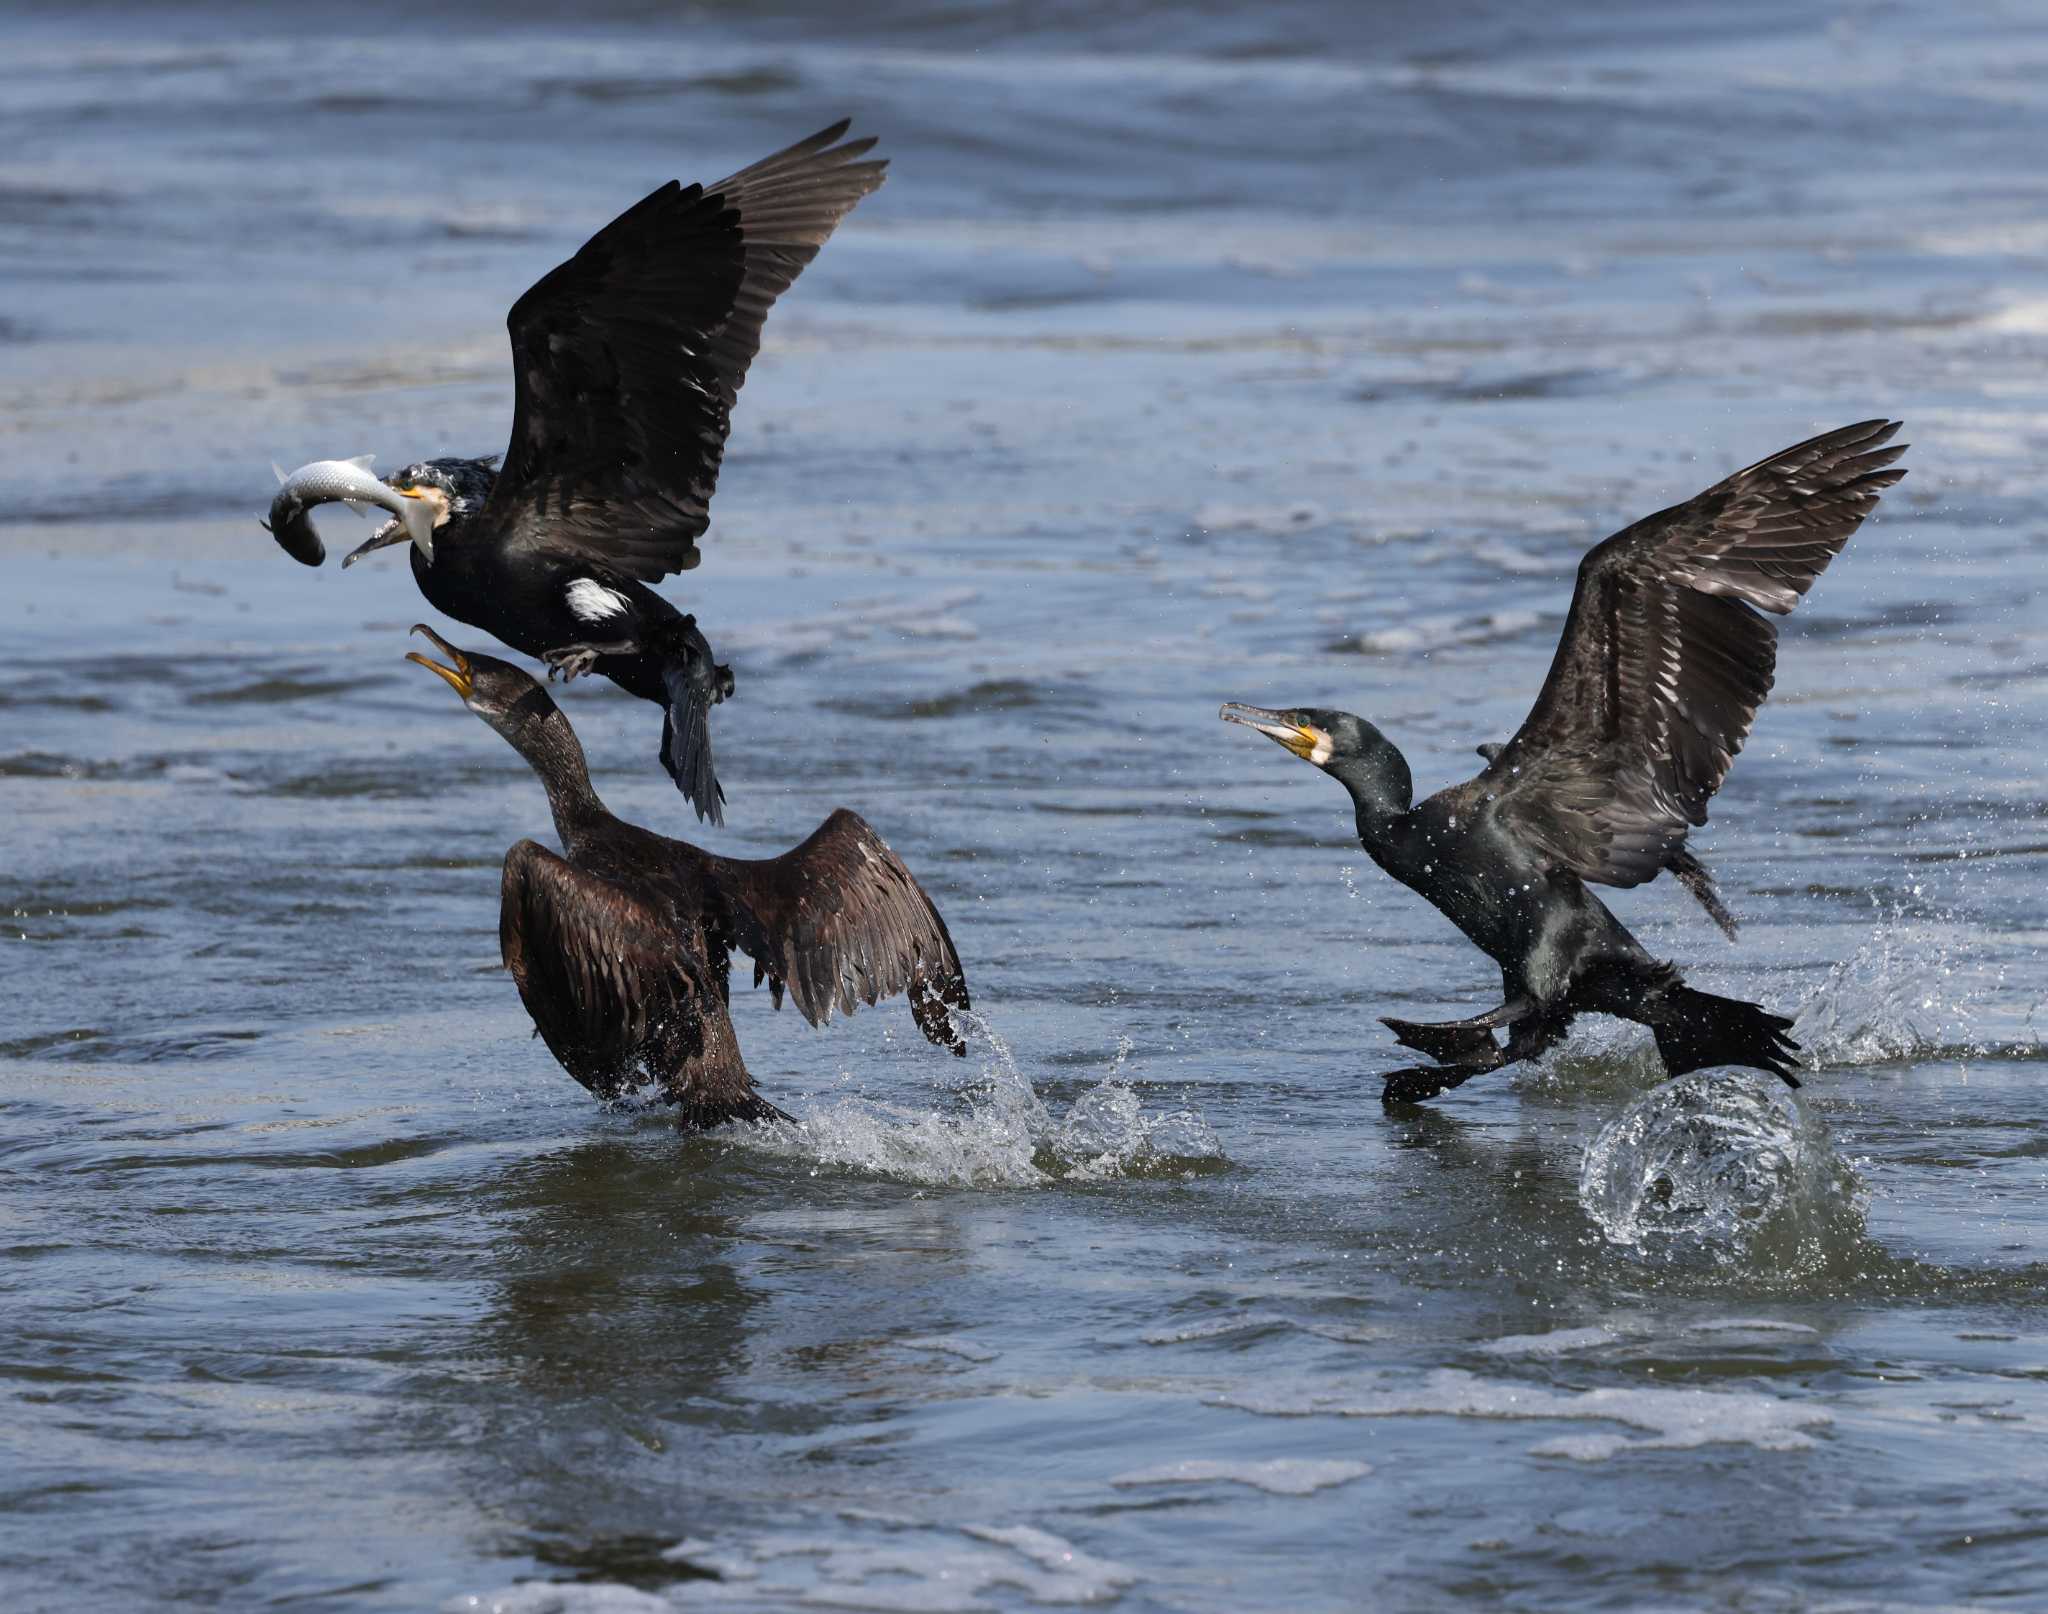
<point x="1697" y="1029"/>
<point x="695" y="684"/>
<point x="1691" y="873"/>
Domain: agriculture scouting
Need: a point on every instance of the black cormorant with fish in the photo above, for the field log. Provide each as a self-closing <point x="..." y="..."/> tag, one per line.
<point x="627" y="362"/>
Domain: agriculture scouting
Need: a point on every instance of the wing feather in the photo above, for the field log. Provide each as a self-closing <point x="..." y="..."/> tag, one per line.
<point x="1666" y="655"/>
<point x="839" y="921"/>
<point x="628" y="358"/>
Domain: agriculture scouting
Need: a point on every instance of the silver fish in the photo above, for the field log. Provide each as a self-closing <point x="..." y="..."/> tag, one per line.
<point x="347" y="482"/>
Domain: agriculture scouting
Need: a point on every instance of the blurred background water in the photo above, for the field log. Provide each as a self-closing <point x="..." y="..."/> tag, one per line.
<point x="1288" y="353"/>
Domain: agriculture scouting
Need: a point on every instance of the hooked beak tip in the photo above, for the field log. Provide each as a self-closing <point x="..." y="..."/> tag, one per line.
<point x="1277" y="726"/>
<point x="458" y="677"/>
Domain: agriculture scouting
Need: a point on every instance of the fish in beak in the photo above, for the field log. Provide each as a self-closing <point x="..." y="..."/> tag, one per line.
<point x="457" y="677"/>
<point x="414" y="520"/>
<point x="347" y="482"/>
<point x="1290" y="729"/>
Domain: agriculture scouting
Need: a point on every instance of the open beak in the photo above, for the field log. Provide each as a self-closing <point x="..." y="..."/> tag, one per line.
<point x="458" y="676"/>
<point x="415" y="520"/>
<point x="392" y="532"/>
<point x="1299" y="738"/>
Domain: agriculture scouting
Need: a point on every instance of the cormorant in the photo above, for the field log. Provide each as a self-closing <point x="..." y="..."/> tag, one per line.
<point x="1662" y="665"/>
<point x="620" y="945"/>
<point x="627" y="361"/>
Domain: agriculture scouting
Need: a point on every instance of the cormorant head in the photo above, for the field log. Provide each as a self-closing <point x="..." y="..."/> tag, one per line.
<point x="452" y="489"/>
<point x="1348" y="747"/>
<point x="504" y="696"/>
<point x="1313" y="733"/>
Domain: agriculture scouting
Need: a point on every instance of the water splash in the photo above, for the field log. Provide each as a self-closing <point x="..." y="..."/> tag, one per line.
<point x="1904" y="994"/>
<point x="1004" y="1135"/>
<point x="1720" y="1167"/>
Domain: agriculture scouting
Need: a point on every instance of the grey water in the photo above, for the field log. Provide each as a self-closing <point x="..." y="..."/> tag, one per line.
<point x="1286" y="353"/>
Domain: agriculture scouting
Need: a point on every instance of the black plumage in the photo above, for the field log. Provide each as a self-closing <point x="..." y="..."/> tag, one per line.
<point x="620" y="943"/>
<point x="627" y="362"/>
<point x="1664" y="660"/>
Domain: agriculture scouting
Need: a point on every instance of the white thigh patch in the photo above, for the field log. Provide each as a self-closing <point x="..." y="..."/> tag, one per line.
<point x="591" y="601"/>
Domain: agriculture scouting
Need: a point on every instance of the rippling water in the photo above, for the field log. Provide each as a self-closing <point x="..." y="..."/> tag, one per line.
<point x="1276" y="353"/>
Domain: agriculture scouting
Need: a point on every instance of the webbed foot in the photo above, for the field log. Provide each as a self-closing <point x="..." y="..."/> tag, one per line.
<point x="1447" y="1044"/>
<point x="1413" y="1085"/>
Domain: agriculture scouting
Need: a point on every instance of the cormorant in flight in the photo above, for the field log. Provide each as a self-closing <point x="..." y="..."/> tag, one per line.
<point x="627" y="361"/>
<point x="620" y="945"/>
<point x="1660" y="671"/>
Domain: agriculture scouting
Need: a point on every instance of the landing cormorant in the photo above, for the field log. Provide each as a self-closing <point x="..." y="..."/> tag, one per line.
<point x="627" y="361"/>
<point x="1663" y="663"/>
<point x="620" y="945"/>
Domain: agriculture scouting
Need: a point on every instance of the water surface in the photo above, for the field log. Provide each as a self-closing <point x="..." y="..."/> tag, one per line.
<point x="1279" y="354"/>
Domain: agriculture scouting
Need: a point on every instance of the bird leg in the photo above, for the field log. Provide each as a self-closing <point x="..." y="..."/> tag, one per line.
<point x="572" y="661"/>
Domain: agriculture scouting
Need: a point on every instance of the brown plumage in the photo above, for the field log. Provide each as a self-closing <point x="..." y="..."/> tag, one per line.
<point x="1665" y="659"/>
<point x="620" y="944"/>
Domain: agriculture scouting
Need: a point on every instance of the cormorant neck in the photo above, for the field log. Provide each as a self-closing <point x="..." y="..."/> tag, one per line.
<point x="540" y="733"/>
<point x="1381" y="787"/>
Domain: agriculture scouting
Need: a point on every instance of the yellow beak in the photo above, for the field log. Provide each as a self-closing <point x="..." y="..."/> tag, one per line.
<point x="1299" y="738"/>
<point x="458" y="676"/>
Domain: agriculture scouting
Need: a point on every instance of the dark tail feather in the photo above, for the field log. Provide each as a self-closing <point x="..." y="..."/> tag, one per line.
<point x="695" y="684"/>
<point x="1691" y="873"/>
<point x="1698" y="1029"/>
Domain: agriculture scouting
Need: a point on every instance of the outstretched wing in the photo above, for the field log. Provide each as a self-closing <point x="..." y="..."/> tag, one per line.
<point x="628" y="358"/>
<point x="1665" y="657"/>
<point x="614" y="994"/>
<point x="839" y="920"/>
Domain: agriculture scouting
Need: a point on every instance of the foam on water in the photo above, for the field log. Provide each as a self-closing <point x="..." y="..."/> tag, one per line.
<point x="1713" y="1333"/>
<point x="1441" y="632"/>
<point x="550" y="1597"/>
<point x="898" y="1566"/>
<point x="1669" y="1419"/>
<point x="1243" y="1322"/>
<point x="1558" y="1342"/>
<point x="1519" y="562"/>
<point x="1272" y="519"/>
<point x="1281" y="1476"/>
<point x="1003" y="1136"/>
<point x="1721" y="1166"/>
